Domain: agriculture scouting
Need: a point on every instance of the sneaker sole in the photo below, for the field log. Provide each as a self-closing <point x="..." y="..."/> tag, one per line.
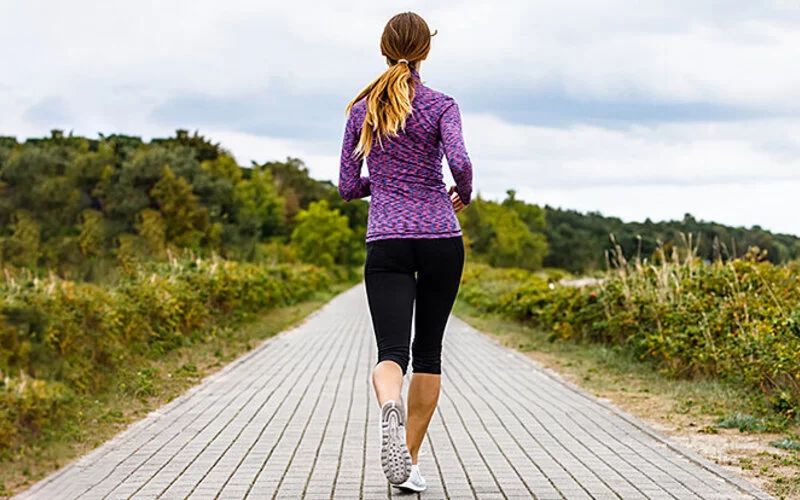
<point x="408" y="487"/>
<point x="395" y="458"/>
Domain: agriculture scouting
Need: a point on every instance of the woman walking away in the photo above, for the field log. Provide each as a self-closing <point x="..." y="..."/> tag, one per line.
<point x="414" y="247"/>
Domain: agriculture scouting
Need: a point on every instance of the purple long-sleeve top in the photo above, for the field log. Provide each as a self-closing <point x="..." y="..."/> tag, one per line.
<point x="409" y="197"/>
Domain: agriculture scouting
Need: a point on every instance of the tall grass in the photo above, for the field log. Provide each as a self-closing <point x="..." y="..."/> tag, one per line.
<point x="736" y="320"/>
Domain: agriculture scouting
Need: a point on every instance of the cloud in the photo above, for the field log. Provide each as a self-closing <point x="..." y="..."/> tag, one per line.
<point x="722" y="52"/>
<point x="673" y="154"/>
<point x="50" y="112"/>
<point x="591" y="103"/>
<point x="321" y="158"/>
<point x="277" y="111"/>
<point x="558" y="109"/>
<point x="672" y="51"/>
<point x="282" y="112"/>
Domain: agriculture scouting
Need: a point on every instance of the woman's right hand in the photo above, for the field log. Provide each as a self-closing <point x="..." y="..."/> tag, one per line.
<point x="458" y="205"/>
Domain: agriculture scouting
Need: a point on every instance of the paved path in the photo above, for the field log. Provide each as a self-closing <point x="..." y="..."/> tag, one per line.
<point x="296" y="418"/>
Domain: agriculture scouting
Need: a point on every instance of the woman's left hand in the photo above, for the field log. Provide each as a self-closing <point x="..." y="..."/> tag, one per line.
<point x="458" y="205"/>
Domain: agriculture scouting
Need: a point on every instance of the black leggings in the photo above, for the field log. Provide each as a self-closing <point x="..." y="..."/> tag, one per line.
<point x="398" y="271"/>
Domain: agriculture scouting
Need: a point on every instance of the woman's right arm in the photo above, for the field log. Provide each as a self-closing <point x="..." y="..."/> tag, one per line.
<point x="351" y="184"/>
<point x="452" y="135"/>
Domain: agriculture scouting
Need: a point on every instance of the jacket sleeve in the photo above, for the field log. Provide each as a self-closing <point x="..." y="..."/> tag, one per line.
<point x="455" y="151"/>
<point x="351" y="184"/>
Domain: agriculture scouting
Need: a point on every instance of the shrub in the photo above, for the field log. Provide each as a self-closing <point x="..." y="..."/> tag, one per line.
<point x="61" y="339"/>
<point x="738" y="321"/>
<point x="28" y="406"/>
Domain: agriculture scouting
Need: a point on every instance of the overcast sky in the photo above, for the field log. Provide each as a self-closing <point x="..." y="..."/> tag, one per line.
<point x="635" y="109"/>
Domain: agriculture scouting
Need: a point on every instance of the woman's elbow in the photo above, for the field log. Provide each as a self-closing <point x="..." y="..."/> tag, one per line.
<point x="346" y="194"/>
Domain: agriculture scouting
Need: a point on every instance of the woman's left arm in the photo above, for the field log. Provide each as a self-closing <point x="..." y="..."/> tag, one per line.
<point x="456" y="153"/>
<point x="351" y="184"/>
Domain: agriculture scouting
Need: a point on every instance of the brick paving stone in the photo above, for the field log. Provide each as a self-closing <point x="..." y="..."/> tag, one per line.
<point x="296" y="418"/>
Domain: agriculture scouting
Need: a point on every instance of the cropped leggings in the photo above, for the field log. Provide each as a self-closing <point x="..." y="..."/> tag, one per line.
<point x="399" y="272"/>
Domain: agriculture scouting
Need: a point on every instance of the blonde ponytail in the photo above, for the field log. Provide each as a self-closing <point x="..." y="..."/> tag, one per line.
<point x="388" y="105"/>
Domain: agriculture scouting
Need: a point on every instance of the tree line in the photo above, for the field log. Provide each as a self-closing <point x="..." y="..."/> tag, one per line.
<point x="78" y="207"/>
<point x="512" y="233"/>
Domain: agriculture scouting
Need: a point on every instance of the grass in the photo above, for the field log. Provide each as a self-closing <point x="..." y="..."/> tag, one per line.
<point x="600" y="367"/>
<point x="741" y="421"/>
<point x="787" y="444"/>
<point x="150" y="386"/>
<point x="709" y="411"/>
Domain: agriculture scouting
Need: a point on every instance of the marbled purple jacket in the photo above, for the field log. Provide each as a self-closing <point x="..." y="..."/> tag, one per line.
<point x="409" y="197"/>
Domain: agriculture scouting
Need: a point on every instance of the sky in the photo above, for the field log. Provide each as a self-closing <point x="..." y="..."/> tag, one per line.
<point x="633" y="109"/>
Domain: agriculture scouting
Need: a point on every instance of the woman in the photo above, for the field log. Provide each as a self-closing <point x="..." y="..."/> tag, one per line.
<point x="414" y="245"/>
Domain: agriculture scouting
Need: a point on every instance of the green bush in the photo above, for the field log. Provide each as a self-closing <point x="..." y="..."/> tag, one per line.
<point x="29" y="406"/>
<point x="738" y="321"/>
<point x="61" y="339"/>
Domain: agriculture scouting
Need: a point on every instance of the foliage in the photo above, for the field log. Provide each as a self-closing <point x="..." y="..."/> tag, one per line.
<point x="321" y="235"/>
<point x="505" y="234"/>
<point x="185" y="222"/>
<point x="62" y="339"/>
<point x="786" y="444"/>
<point x="741" y="421"/>
<point x="579" y="242"/>
<point x="75" y="206"/>
<point x="24" y="244"/>
<point x="737" y="320"/>
<point x="512" y="233"/>
<point x="259" y="210"/>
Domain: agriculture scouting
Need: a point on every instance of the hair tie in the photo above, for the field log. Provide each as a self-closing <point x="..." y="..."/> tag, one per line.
<point x="403" y="60"/>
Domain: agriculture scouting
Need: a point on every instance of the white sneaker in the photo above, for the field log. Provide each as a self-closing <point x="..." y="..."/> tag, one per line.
<point x="415" y="481"/>
<point x="395" y="458"/>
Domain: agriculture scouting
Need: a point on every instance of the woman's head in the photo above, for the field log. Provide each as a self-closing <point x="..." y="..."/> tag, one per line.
<point x="406" y="36"/>
<point x="406" y="41"/>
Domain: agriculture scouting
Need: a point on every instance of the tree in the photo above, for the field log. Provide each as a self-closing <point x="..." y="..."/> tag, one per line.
<point x="514" y="244"/>
<point x="184" y="220"/>
<point x="215" y="185"/>
<point x="25" y="243"/>
<point x="532" y="215"/>
<point x="480" y="232"/>
<point x="152" y="228"/>
<point x="92" y="233"/>
<point x="259" y="209"/>
<point x="500" y="234"/>
<point x="293" y="174"/>
<point x="202" y="148"/>
<point x="321" y="235"/>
